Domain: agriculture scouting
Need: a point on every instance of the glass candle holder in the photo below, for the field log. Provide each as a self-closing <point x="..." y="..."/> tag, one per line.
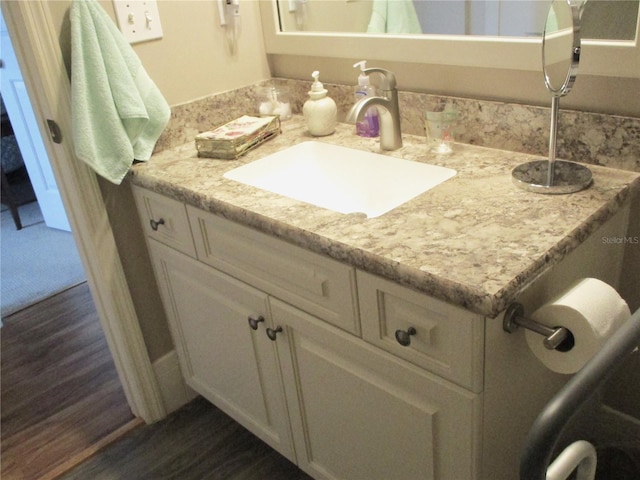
<point x="274" y="101"/>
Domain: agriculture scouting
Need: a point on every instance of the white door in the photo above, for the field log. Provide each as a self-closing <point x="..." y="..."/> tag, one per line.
<point x="25" y="127"/>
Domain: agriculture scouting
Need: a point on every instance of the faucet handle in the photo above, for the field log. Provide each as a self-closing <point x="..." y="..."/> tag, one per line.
<point x="388" y="77"/>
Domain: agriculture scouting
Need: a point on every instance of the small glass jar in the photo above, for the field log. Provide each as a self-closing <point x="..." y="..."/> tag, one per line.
<point x="273" y="101"/>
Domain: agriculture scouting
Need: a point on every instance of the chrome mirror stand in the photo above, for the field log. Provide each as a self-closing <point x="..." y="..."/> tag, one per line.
<point x="560" y="58"/>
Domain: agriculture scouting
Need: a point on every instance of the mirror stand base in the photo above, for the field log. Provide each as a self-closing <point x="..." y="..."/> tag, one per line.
<point x="569" y="177"/>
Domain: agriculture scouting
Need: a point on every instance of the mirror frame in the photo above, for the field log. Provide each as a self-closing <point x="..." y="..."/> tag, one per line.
<point x="610" y="58"/>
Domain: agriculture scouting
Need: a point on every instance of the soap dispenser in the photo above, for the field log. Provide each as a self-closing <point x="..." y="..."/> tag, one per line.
<point x="320" y="111"/>
<point x="370" y="126"/>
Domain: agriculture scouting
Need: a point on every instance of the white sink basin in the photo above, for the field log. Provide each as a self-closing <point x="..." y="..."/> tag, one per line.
<point x="341" y="179"/>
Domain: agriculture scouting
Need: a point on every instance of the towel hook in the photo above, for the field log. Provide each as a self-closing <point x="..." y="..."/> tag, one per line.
<point x="558" y="338"/>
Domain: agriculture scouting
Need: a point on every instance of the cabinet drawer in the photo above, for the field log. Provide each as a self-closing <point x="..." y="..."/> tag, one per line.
<point x="164" y="219"/>
<point x="319" y="285"/>
<point x="447" y="341"/>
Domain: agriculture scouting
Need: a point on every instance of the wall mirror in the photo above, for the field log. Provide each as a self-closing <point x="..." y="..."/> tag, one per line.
<point x="477" y="33"/>
<point x="602" y="19"/>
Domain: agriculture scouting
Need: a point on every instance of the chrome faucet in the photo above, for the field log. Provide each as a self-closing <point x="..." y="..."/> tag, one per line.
<point x="389" y="111"/>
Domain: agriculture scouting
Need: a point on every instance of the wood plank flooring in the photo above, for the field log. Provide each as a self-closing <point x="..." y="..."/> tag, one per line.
<point x="64" y="414"/>
<point x="60" y="390"/>
<point x="197" y="442"/>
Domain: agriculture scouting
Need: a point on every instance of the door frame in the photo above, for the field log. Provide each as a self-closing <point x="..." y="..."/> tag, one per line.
<point x="37" y="49"/>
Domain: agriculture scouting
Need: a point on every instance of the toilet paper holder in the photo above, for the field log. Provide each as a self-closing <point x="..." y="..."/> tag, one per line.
<point x="558" y="338"/>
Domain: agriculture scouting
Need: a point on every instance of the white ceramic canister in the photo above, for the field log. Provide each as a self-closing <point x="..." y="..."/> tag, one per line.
<point x="320" y="111"/>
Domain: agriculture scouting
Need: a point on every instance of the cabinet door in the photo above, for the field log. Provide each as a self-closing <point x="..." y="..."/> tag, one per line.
<point x="358" y="413"/>
<point x="221" y="357"/>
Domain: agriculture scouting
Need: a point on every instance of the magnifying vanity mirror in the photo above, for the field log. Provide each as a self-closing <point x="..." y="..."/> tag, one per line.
<point x="560" y="57"/>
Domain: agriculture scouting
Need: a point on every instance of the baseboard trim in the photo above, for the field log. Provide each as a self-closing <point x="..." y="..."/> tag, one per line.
<point x="175" y="393"/>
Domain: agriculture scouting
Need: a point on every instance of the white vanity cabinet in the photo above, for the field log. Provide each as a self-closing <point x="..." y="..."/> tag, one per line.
<point x="305" y="380"/>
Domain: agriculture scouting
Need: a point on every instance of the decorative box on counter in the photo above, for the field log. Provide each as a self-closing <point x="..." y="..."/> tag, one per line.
<point x="237" y="137"/>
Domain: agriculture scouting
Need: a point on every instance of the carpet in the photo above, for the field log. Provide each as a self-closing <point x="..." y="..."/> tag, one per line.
<point x="35" y="262"/>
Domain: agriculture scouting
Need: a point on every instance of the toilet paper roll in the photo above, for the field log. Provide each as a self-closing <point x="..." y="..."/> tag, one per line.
<point x="591" y="310"/>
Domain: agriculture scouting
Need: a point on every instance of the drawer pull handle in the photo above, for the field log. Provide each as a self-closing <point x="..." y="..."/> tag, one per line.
<point x="404" y="337"/>
<point x="155" y="224"/>
<point x="271" y="333"/>
<point x="253" y="322"/>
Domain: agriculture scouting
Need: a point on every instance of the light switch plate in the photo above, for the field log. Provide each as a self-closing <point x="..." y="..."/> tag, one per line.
<point x="139" y="20"/>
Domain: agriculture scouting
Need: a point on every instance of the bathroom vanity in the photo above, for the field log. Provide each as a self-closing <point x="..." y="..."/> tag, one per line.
<point x="371" y="348"/>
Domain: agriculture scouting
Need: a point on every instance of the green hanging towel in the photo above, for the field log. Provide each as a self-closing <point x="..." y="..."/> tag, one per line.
<point x="117" y="111"/>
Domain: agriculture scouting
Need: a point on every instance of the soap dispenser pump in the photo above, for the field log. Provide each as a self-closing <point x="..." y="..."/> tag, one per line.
<point x="320" y="111"/>
<point x="370" y="126"/>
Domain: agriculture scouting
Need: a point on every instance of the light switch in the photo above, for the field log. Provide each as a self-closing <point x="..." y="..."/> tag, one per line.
<point x="139" y="20"/>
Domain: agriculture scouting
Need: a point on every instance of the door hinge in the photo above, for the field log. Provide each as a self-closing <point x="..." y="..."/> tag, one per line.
<point x="54" y="129"/>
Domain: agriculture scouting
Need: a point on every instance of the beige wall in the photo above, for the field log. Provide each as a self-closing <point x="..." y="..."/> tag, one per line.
<point x="191" y="61"/>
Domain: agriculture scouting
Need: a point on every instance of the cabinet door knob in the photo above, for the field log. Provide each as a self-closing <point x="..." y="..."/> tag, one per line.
<point x="271" y="333"/>
<point x="404" y="336"/>
<point x="253" y="322"/>
<point x="156" y="223"/>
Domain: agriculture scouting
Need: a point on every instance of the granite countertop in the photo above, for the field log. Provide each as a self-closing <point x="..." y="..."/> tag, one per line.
<point x="475" y="240"/>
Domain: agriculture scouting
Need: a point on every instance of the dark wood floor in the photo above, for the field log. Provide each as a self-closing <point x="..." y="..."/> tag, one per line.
<point x="198" y="442"/>
<point x="60" y="390"/>
<point x="64" y="414"/>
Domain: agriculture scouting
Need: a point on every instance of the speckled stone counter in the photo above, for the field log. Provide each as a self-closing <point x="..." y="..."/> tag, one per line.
<point x="475" y="240"/>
